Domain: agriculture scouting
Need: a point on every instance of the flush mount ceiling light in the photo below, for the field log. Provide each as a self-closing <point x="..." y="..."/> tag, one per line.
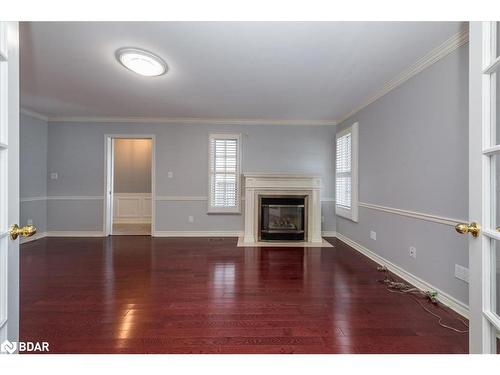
<point x="141" y="62"/>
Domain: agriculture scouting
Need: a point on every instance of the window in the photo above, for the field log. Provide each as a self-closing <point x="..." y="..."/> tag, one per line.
<point x="224" y="173"/>
<point x="346" y="173"/>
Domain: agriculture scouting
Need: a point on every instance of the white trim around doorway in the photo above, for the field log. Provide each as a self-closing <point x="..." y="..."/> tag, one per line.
<point x="108" y="173"/>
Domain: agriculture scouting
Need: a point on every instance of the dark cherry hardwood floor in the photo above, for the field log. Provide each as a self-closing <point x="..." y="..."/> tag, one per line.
<point x="135" y="294"/>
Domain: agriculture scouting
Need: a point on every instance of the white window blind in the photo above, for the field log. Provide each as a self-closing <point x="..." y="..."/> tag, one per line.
<point x="224" y="173"/>
<point x="343" y="171"/>
<point x="346" y="173"/>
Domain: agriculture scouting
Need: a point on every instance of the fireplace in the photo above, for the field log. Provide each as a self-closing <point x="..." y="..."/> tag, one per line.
<point x="282" y="218"/>
<point x="282" y="224"/>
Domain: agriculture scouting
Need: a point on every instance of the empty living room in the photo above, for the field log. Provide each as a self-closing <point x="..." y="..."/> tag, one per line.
<point x="256" y="186"/>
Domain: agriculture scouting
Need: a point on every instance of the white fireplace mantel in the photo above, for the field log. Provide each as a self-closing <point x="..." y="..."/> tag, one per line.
<point x="282" y="184"/>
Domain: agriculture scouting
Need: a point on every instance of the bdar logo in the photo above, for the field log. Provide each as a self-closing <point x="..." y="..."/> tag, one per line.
<point x="8" y="347"/>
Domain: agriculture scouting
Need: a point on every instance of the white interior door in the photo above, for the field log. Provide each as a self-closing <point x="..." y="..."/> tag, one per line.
<point x="484" y="186"/>
<point x="9" y="180"/>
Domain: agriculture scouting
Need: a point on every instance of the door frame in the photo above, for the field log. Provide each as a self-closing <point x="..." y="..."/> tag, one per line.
<point x="108" y="179"/>
<point x="483" y="323"/>
<point x="9" y="181"/>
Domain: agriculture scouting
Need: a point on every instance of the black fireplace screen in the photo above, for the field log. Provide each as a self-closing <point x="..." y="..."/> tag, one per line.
<point x="282" y="219"/>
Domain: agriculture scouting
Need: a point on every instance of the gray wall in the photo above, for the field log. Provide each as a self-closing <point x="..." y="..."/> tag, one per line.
<point x="33" y="170"/>
<point x="414" y="156"/>
<point x="132" y="166"/>
<point x="76" y="153"/>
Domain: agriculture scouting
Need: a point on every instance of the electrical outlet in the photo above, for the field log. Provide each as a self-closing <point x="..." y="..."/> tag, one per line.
<point x="191" y="219"/>
<point x="170" y="174"/>
<point x="462" y="273"/>
<point x="322" y="219"/>
<point x="54" y="176"/>
<point x="29" y="221"/>
<point x="373" y="235"/>
<point x="413" y="252"/>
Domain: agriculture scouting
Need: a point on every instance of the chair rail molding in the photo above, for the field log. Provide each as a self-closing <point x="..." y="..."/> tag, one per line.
<point x="416" y="215"/>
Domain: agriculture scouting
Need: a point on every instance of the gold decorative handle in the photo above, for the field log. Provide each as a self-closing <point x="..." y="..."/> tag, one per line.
<point x="26" y="231"/>
<point x="472" y="228"/>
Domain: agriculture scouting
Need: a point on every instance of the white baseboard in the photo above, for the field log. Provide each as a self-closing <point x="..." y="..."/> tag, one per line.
<point x="83" y="233"/>
<point x="35" y="237"/>
<point x="61" y="234"/>
<point x="156" y="234"/>
<point x="443" y="297"/>
<point x="160" y="233"/>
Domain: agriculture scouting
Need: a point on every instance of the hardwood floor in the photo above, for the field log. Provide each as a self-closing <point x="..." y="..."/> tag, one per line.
<point x="137" y="294"/>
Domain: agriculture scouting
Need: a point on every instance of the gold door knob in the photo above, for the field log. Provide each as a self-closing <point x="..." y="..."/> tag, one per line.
<point x="26" y="231"/>
<point x="472" y="228"/>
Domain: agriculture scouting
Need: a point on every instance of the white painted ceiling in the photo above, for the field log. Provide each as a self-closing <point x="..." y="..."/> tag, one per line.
<point x="218" y="70"/>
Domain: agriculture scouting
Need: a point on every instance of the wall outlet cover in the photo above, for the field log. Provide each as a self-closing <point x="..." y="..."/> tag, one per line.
<point x="373" y="235"/>
<point x="29" y="221"/>
<point x="170" y="174"/>
<point x="191" y="219"/>
<point x="54" y="176"/>
<point x="413" y="252"/>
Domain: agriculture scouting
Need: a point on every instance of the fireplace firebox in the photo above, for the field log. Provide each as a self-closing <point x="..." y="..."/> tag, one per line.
<point x="282" y="218"/>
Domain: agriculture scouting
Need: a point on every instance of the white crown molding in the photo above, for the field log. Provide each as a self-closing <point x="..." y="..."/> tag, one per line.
<point x="413" y="214"/>
<point x="188" y="121"/>
<point x="442" y="297"/>
<point x="34" y="114"/>
<point x="441" y="51"/>
<point x="456" y="41"/>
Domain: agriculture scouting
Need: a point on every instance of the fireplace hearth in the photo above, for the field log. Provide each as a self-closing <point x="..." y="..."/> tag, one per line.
<point x="282" y="218"/>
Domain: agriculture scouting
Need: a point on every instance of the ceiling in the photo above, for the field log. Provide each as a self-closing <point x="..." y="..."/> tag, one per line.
<point x="218" y="70"/>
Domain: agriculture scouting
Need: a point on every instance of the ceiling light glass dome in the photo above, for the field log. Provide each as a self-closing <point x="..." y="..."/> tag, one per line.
<point x="141" y="62"/>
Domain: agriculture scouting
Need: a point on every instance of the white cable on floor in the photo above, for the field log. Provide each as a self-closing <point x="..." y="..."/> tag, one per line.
<point x="402" y="288"/>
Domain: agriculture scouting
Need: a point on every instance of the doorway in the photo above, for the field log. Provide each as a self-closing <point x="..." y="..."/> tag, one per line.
<point x="129" y="186"/>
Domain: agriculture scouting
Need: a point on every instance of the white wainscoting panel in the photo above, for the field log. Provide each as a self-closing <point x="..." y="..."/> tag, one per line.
<point x="132" y="208"/>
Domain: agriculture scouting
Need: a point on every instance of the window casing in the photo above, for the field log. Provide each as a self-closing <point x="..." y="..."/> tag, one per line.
<point x="224" y="181"/>
<point x="346" y="173"/>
